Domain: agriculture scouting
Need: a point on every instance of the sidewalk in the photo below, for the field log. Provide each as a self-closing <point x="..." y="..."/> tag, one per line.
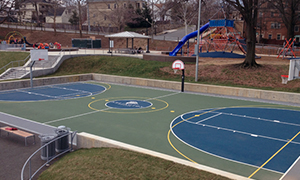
<point x="14" y="154"/>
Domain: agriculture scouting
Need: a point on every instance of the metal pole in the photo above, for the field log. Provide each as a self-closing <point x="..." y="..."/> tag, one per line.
<point x="182" y="81"/>
<point x="197" y="48"/>
<point x="31" y="83"/>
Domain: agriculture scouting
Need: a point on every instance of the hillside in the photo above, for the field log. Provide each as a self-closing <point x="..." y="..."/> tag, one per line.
<point x="65" y="39"/>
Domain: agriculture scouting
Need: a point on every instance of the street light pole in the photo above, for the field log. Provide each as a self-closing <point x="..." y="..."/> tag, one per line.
<point x="198" y="39"/>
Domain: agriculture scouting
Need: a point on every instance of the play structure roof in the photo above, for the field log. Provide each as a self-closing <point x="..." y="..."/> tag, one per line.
<point x="127" y="34"/>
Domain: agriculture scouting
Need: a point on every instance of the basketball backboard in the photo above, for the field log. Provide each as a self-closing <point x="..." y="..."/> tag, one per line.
<point x="178" y="64"/>
<point x="294" y="69"/>
<point x="39" y="54"/>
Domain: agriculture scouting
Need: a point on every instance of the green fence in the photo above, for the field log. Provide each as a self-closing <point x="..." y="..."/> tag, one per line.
<point x="86" y="43"/>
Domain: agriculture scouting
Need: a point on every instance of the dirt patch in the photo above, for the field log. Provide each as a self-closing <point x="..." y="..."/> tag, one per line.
<point x="224" y="71"/>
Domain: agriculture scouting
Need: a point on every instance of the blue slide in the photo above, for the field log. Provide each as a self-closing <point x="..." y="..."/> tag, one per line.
<point x="187" y="37"/>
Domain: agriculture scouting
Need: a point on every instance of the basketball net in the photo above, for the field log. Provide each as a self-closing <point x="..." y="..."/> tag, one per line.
<point x="175" y="71"/>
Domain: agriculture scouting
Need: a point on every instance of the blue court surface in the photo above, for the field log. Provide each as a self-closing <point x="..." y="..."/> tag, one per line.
<point x="246" y="135"/>
<point x="250" y="138"/>
<point x="52" y="92"/>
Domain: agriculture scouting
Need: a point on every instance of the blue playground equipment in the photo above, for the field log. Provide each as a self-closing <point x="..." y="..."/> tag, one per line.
<point x="187" y="37"/>
<point x="223" y="39"/>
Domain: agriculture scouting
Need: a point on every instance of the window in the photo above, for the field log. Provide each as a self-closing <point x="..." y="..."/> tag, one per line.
<point x="124" y="5"/>
<point x="296" y="29"/>
<point x="272" y="14"/>
<point x="270" y="36"/>
<point x="258" y="25"/>
<point x="115" y="6"/>
<point x="260" y="14"/>
<point x="278" y="36"/>
<point x="137" y="5"/>
<point x="275" y="25"/>
<point x="108" y="6"/>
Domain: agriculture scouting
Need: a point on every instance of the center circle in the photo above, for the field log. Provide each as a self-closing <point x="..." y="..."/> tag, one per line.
<point x="128" y="104"/>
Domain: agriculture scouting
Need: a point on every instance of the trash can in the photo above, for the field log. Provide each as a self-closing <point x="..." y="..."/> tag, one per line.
<point x="62" y="143"/>
<point x="48" y="151"/>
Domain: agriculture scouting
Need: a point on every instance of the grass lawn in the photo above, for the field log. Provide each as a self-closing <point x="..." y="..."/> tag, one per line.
<point x="7" y="57"/>
<point x="112" y="163"/>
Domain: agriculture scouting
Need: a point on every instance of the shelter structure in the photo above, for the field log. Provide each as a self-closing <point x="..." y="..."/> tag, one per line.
<point x="132" y="35"/>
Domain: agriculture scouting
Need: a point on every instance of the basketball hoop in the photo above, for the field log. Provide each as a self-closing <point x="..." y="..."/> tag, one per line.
<point x="284" y="79"/>
<point x="178" y="64"/>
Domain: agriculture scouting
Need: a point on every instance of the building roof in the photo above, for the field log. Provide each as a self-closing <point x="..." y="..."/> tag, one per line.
<point x="59" y="11"/>
<point x="127" y="34"/>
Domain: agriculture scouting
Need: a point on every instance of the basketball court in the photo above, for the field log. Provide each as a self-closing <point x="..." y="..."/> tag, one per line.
<point x="259" y="140"/>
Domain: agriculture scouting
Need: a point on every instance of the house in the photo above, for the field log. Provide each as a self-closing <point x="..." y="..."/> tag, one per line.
<point x="111" y="13"/>
<point x="34" y="11"/>
<point x="161" y="12"/>
<point x="63" y="15"/>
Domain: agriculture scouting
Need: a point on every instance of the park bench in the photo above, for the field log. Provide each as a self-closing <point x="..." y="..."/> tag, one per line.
<point x="126" y="51"/>
<point x="17" y="132"/>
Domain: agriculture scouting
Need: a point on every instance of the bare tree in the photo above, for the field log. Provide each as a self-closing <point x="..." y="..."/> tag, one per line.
<point x="55" y="6"/>
<point x="248" y="9"/>
<point x="6" y="6"/>
<point x="185" y="11"/>
<point x="289" y="11"/>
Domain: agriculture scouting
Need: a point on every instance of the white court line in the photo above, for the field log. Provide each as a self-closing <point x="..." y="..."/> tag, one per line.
<point x="75" y="116"/>
<point x="38" y="94"/>
<point x="76" y="90"/>
<point x="208" y="118"/>
<point x="257" y="118"/>
<point x="242" y="132"/>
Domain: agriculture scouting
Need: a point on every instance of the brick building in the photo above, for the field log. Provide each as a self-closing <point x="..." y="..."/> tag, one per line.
<point x="270" y="27"/>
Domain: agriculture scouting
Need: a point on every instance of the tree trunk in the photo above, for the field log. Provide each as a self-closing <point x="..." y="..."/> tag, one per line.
<point x="54" y="22"/>
<point x="80" y="23"/>
<point x="290" y="31"/>
<point x="251" y="40"/>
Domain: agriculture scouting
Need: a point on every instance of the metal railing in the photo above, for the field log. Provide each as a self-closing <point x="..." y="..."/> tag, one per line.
<point x="49" y="159"/>
<point x="12" y="64"/>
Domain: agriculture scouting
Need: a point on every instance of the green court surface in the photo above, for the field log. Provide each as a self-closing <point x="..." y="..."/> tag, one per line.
<point x="147" y="127"/>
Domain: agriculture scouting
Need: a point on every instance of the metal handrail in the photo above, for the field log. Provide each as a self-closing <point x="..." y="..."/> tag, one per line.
<point x="48" y="160"/>
<point x="7" y="66"/>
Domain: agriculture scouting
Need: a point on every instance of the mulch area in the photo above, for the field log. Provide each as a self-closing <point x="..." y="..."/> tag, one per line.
<point x="14" y="154"/>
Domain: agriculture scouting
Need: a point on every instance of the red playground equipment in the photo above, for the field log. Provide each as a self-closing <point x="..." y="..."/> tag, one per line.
<point x="287" y="49"/>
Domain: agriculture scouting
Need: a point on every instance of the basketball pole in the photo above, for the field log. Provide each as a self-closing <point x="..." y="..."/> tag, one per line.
<point x="182" y="81"/>
<point x="31" y="82"/>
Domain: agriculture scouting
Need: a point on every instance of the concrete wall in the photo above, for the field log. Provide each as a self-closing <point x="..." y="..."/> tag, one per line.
<point x="167" y="58"/>
<point x="204" y="88"/>
<point x="7" y="85"/>
<point x="192" y="87"/>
